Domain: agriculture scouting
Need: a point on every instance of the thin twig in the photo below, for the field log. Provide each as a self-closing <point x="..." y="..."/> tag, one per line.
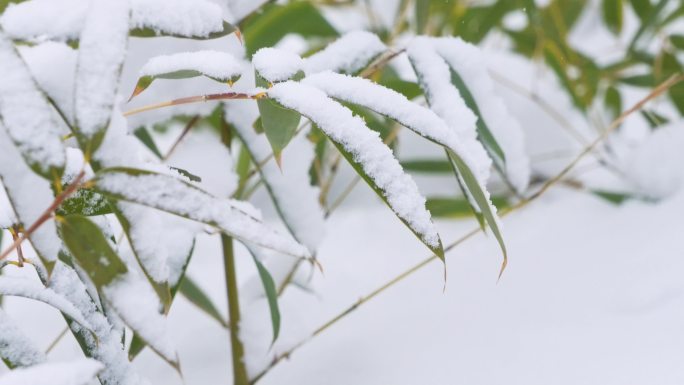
<point x="195" y="99"/>
<point x="185" y="131"/>
<point x="47" y="214"/>
<point x="54" y="342"/>
<point x="545" y="187"/>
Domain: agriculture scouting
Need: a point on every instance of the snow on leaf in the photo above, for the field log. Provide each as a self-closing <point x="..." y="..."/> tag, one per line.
<point x="106" y="343"/>
<point x="349" y="54"/>
<point x="35" y="20"/>
<point x="216" y="65"/>
<point x="371" y="158"/>
<point x="27" y="116"/>
<point x="177" y="197"/>
<point x="27" y="288"/>
<point x="29" y="195"/>
<point x="79" y="372"/>
<point x="102" y="50"/>
<point x="16" y="349"/>
<point x="276" y="65"/>
<point x="296" y="201"/>
<point x="127" y="293"/>
<point x="496" y="126"/>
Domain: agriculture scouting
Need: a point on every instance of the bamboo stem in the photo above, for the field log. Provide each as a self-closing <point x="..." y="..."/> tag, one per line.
<point x="237" y="349"/>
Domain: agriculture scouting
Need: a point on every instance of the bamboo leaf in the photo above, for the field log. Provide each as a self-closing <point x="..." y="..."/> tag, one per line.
<point x="480" y="197"/>
<point x="85" y="202"/>
<point x="271" y="295"/>
<point x="457" y="207"/>
<point x="422" y="12"/>
<point x="428" y="166"/>
<point x="199" y="298"/>
<point x="183" y="199"/>
<point x="146" y="139"/>
<point x="279" y="123"/>
<point x="147" y="32"/>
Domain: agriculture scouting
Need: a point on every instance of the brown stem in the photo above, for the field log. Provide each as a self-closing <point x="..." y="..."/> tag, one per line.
<point x="187" y="129"/>
<point x="47" y="214"/>
<point x="195" y="99"/>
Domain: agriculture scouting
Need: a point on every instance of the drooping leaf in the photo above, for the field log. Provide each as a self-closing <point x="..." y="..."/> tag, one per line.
<point x="126" y="293"/>
<point x="653" y="118"/>
<point x="146" y="139"/>
<point x="677" y="41"/>
<point x="271" y="295"/>
<point x="616" y="198"/>
<point x="479" y="195"/>
<point x="180" y="198"/>
<point x="216" y="65"/>
<point x="613" y="102"/>
<point x="279" y="123"/>
<point x="199" y="298"/>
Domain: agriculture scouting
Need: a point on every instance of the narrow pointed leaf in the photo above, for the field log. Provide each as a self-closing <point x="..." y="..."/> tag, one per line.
<point x="193" y="293"/>
<point x="219" y="66"/>
<point x="613" y="15"/>
<point x="279" y="123"/>
<point x="180" y="198"/>
<point x="271" y="295"/>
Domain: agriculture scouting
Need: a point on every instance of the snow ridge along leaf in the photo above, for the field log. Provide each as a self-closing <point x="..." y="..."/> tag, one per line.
<point x="216" y="65"/>
<point x="16" y="349"/>
<point x="371" y="158"/>
<point x="180" y="198"/>
<point x="102" y="50"/>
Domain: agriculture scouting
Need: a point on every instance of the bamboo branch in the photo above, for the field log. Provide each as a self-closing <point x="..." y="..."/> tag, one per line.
<point x="237" y="349"/>
<point x="545" y="187"/>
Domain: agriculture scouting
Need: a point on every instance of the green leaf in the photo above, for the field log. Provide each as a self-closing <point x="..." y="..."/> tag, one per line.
<point x="613" y="15"/>
<point x="484" y="134"/>
<point x="192" y="177"/>
<point x="670" y="67"/>
<point x="268" y="27"/>
<point x="149" y="32"/>
<point x="645" y="80"/>
<point x="197" y="297"/>
<point x="279" y="123"/>
<point x="271" y="295"/>
<point x="428" y="166"/>
<point x="478" y="195"/>
<point x="85" y="202"/>
<point x="145" y="81"/>
<point x="92" y="250"/>
<point x="457" y="207"/>
<point x="146" y="139"/>
<point x="437" y="250"/>
<point x="172" y="195"/>
<point x="641" y="7"/>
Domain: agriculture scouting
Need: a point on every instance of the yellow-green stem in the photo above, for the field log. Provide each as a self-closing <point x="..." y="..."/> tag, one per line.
<point x="237" y="349"/>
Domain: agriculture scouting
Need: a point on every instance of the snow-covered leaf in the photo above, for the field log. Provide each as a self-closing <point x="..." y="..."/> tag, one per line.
<point x="364" y="150"/>
<point x="130" y="296"/>
<point x="102" y="50"/>
<point x="28" y="288"/>
<point x="349" y="54"/>
<point x="79" y="372"/>
<point x="177" y="197"/>
<point x="216" y="65"/>
<point x="295" y="200"/>
<point x="84" y="202"/>
<point x="16" y="349"/>
<point x="27" y="115"/>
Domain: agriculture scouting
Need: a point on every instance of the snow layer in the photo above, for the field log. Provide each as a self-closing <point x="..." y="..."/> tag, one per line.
<point x="102" y="49"/>
<point x="277" y="65"/>
<point x="290" y="187"/>
<point x="367" y="148"/>
<point x="215" y="64"/>
<point x="445" y="100"/>
<point x="348" y="54"/>
<point x="27" y="288"/>
<point x="15" y="346"/>
<point x="30" y="195"/>
<point x="26" y="113"/>
<point x="35" y="19"/>
<point x="387" y="102"/>
<point x="79" y="372"/>
<point x="171" y="195"/>
<point x="467" y="60"/>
